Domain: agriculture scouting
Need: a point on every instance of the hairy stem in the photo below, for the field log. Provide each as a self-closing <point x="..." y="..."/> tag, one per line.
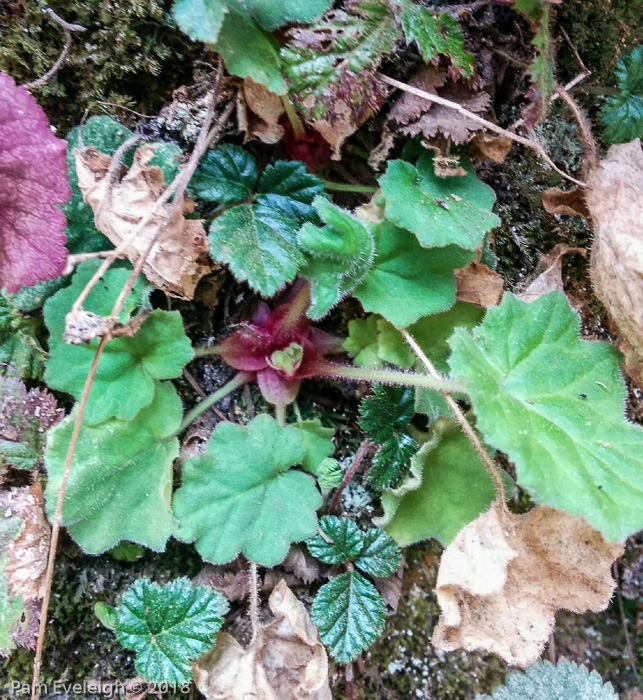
<point x="348" y="187"/>
<point x="236" y="381"/>
<point x="280" y="414"/>
<point x="293" y="118"/>
<point x="387" y="376"/>
<point x="253" y="589"/>
<point x="483" y="122"/>
<point x="494" y="473"/>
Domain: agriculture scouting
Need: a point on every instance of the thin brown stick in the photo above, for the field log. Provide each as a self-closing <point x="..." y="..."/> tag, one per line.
<point x="589" y="144"/>
<point x="483" y="122"/>
<point x="55" y="529"/>
<point x="126" y="109"/>
<point x="357" y="460"/>
<point x="197" y="388"/>
<point x="494" y="473"/>
<point x="621" y="610"/>
<point x="67" y="30"/>
<point x="253" y="590"/>
<point x="77" y="258"/>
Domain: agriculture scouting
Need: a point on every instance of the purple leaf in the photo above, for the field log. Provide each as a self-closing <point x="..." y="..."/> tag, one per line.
<point x="33" y="180"/>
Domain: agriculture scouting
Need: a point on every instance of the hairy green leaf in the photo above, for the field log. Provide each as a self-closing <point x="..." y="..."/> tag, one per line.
<point x="317" y="441"/>
<point x="241" y="496"/>
<point x="380" y="556"/>
<point x="439" y="211"/>
<point x="435" y="35"/>
<point x="226" y="174"/>
<point x="622" y="114"/>
<point x="128" y="371"/>
<point x="449" y="488"/>
<point x="168" y="626"/>
<point x="20" y="350"/>
<point x="407" y="281"/>
<point x="271" y="14"/>
<point x="392" y="462"/>
<point x="329" y="474"/>
<point x="331" y="65"/>
<point x="258" y="240"/>
<point x="554" y="403"/>
<point x="349" y="613"/>
<point x="343" y="541"/>
<point x="121" y="476"/>
<point x="201" y="20"/>
<point x="544" y="681"/>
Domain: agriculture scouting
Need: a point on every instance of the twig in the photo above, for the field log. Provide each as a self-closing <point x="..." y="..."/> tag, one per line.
<point x="77" y="258"/>
<point x="357" y="460"/>
<point x="483" y="122"/>
<point x="591" y="151"/>
<point x="253" y="590"/>
<point x="462" y="420"/>
<point x="195" y="385"/>
<point x="55" y="530"/>
<point x="621" y="610"/>
<point x="67" y="30"/>
<point x="123" y="107"/>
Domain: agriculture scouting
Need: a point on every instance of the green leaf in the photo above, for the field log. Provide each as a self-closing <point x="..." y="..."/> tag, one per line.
<point x="258" y="241"/>
<point x="439" y="211"/>
<point x="126" y="551"/>
<point x="407" y="281"/>
<point x="392" y="462"/>
<point x="331" y="65"/>
<point x="248" y="51"/>
<point x="544" y="681"/>
<point x="435" y="35"/>
<point x="129" y="368"/>
<point x="554" y="403"/>
<point x="329" y="474"/>
<point x="241" y="496"/>
<point x="339" y="256"/>
<point x="317" y="442"/>
<point x="12" y="607"/>
<point x="362" y="342"/>
<point x="20" y="350"/>
<point x="106" y="614"/>
<point x="168" y="626"/>
<point x="380" y="556"/>
<point x="226" y="174"/>
<point x="343" y="541"/>
<point x="120" y="480"/>
<point x="622" y="114"/>
<point x="201" y="20"/>
<point x="450" y="487"/>
<point x="349" y="613"/>
<point x="271" y="14"/>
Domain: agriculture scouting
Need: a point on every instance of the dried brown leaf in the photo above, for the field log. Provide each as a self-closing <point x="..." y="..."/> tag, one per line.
<point x="569" y="202"/>
<point x="302" y="565"/>
<point x="477" y="284"/>
<point x="485" y="146"/>
<point x="615" y="203"/>
<point x="180" y="257"/>
<point x="504" y="576"/>
<point x="551" y="279"/>
<point x="259" y="111"/>
<point x="285" y="662"/>
<point x="390" y="588"/>
<point x="229" y="579"/>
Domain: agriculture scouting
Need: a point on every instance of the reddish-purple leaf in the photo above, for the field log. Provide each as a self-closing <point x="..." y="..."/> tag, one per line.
<point x="33" y="180"/>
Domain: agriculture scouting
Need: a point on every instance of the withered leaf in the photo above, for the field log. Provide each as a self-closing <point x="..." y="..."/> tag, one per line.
<point x="485" y="146"/>
<point x="259" y="111"/>
<point x="570" y="202"/>
<point x="180" y="258"/>
<point x="285" y="662"/>
<point x="615" y="203"/>
<point x="477" y="284"/>
<point x="504" y="576"/>
<point x="551" y="279"/>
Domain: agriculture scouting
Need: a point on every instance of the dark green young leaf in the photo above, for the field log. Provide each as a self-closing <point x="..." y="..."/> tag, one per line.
<point x="622" y="115"/>
<point x="350" y="615"/>
<point x="407" y="281"/>
<point x="392" y="462"/>
<point x="435" y="35"/>
<point x="130" y="367"/>
<point x="339" y="256"/>
<point x="544" y="681"/>
<point x="449" y="488"/>
<point x="331" y="65"/>
<point x="131" y="499"/>
<point x="343" y="541"/>
<point x="271" y="14"/>
<point x="241" y="496"/>
<point x="20" y="350"/>
<point x="168" y="626"/>
<point x="258" y="240"/>
<point x="439" y="211"/>
<point x="226" y="174"/>
<point x="554" y="403"/>
<point x="386" y="412"/>
<point x="380" y="556"/>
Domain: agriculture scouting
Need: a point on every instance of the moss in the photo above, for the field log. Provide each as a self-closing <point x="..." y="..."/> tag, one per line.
<point x="130" y="54"/>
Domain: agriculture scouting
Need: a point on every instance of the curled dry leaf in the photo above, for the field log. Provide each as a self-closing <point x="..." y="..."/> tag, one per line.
<point x="551" y="279"/>
<point x="285" y="662"/>
<point x="24" y="536"/>
<point x="570" y="202"/>
<point x="615" y="202"/>
<point x="259" y="111"/>
<point x="477" y="284"/>
<point x="180" y="258"/>
<point x="504" y="576"/>
<point x="486" y="146"/>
